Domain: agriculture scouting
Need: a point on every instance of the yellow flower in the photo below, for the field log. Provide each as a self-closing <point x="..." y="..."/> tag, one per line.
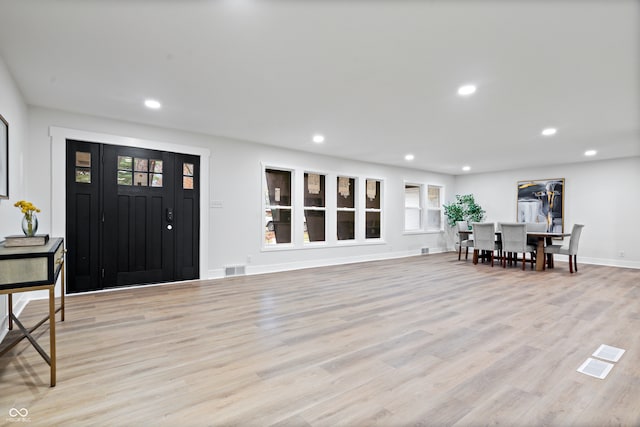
<point x="26" y="208"/>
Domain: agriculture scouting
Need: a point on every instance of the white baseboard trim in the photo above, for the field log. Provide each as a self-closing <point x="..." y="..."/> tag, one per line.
<point x="276" y="268"/>
<point x="600" y="261"/>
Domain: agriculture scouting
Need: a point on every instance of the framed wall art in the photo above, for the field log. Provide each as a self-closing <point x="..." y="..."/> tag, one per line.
<point x="542" y="200"/>
<point x="4" y="158"/>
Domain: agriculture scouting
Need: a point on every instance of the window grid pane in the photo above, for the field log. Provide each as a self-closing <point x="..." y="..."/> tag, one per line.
<point x="83" y="175"/>
<point x="125" y="177"/>
<point x="434" y="219"/>
<point x="314" y="220"/>
<point x="141" y="165"/>
<point x="412" y="220"/>
<point x="372" y="225"/>
<point x="346" y="188"/>
<point x="434" y="196"/>
<point x="346" y="225"/>
<point x="141" y="179"/>
<point x="83" y="159"/>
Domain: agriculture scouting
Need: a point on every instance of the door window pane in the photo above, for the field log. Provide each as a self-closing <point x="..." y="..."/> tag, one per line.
<point x="83" y="159"/>
<point x="125" y="178"/>
<point x="187" y="176"/>
<point x="141" y="165"/>
<point x="140" y="179"/>
<point x="155" y="166"/>
<point x="125" y="163"/>
<point x="125" y="170"/>
<point x="83" y="175"/>
<point x="83" y="167"/>
<point x="156" y="180"/>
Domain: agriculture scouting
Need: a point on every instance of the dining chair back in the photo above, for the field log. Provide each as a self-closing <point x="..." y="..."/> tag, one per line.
<point x="571" y="249"/>
<point x="463" y="239"/>
<point x="514" y="241"/>
<point x="535" y="226"/>
<point x="484" y="237"/>
<point x="574" y="240"/>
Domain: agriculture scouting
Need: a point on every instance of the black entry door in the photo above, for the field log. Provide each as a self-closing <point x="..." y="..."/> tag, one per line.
<point x="132" y="216"/>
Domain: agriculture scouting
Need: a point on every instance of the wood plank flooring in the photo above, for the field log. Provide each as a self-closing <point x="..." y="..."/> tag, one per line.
<point x="426" y="340"/>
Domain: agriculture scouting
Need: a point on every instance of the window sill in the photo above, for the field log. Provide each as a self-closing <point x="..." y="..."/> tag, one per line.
<point x="322" y="245"/>
<point x="412" y="232"/>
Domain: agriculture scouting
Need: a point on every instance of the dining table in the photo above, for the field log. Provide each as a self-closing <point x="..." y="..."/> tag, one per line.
<point x="543" y="238"/>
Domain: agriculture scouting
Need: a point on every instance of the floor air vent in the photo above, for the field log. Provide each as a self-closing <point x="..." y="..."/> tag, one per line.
<point x="596" y="368"/>
<point x="234" y="270"/>
<point x="607" y="352"/>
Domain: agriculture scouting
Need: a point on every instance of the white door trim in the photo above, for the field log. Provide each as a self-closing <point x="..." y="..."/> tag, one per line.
<point x="59" y="136"/>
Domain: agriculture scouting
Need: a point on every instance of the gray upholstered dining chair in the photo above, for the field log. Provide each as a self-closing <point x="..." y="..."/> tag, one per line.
<point x="514" y="241"/>
<point x="571" y="249"/>
<point x="463" y="240"/>
<point x="484" y="237"/>
<point x="535" y="226"/>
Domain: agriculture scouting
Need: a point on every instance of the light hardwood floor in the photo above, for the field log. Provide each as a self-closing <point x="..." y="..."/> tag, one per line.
<point x="424" y="340"/>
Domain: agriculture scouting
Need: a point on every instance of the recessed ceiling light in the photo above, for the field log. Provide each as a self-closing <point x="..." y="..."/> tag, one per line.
<point x="590" y="153"/>
<point x="409" y="157"/>
<point x="318" y="139"/>
<point x="466" y="90"/>
<point x="466" y="168"/>
<point x="152" y="103"/>
<point x="549" y="131"/>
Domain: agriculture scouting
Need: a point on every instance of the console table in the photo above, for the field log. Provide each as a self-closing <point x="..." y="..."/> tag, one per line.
<point x="34" y="268"/>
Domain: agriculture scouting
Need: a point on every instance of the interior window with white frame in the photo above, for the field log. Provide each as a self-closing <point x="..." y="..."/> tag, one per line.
<point x="314" y="207"/>
<point x="346" y="208"/>
<point x="373" y="211"/>
<point x="278" y="206"/>
<point x="412" y="207"/>
<point x="434" y="207"/>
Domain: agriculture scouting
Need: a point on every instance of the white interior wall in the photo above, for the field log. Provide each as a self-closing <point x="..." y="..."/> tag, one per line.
<point x="602" y="195"/>
<point x="234" y="200"/>
<point x="14" y="110"/>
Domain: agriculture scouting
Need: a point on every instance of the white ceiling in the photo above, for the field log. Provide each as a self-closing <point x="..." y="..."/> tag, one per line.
<point x="378" y="78"/>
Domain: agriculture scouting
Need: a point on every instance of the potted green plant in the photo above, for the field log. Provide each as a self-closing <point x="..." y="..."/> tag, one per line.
<point x="464" y="208"/>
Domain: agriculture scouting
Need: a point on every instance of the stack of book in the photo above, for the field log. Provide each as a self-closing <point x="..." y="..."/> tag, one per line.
<point x="37" y="240"/>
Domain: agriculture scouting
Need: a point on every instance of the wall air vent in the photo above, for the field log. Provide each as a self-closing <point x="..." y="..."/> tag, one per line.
<point x="234" y="270"/>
